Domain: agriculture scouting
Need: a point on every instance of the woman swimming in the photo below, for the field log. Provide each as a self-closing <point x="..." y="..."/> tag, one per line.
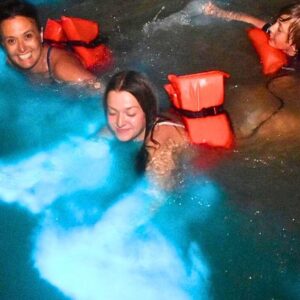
<point x="23" y="42"/>
<point x="284" y="32"/>
<point x="132" y="115"/>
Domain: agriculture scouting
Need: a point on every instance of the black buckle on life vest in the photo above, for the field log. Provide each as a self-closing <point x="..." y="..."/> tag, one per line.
<point x="203" y="113"/>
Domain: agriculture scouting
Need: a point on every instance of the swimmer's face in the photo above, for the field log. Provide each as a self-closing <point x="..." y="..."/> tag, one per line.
<point x="22" y="41"/>
<point x="279" y="35"/>
<point x="125" y="116"/>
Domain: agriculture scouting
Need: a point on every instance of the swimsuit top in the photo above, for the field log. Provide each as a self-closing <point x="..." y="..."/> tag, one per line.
<point x="51" y="76"/>
<point x="170" y="123"/>
<point x="49" y="63"/>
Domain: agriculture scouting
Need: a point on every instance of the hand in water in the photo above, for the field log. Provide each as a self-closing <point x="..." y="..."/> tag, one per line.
<point x="194" y="8"/>
<point x="210" y="9"/>
<point x="95" y="85"/>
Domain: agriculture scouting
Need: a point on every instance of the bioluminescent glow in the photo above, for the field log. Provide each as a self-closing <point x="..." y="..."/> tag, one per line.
<point x="37" y="181"/>
<point x="38" y="117"/>
<point x="2" y="58"/>
<point x="104" y="231"/>
<point x="123" y="256"/>
<point x="96" y="243"/>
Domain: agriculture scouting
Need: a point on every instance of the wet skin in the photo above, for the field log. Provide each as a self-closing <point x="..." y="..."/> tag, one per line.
<point x="125" y="116"/>
<point x="279" y="35"/>
<point x="22" y="42"/>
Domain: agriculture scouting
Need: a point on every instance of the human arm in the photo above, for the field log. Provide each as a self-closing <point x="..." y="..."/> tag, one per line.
<point x="65" y="66"/>
<point x="164" y="148"/>
<point x="211" y="9"/>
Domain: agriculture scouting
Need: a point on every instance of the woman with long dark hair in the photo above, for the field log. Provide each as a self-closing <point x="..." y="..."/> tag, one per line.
<point x="132" y="115"/>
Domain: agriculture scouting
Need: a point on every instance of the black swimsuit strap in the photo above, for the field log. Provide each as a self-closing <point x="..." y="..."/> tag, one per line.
<point x="203" y="113"/>
<point x="49" y="62"/>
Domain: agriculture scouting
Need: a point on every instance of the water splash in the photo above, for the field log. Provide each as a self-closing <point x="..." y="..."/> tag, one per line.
<point x="189" y="15"/>
<point x="104" y="227"/>
<point x="97" y="218"/>
<point x="37" y="181"/>
<point x="119" y="256"/>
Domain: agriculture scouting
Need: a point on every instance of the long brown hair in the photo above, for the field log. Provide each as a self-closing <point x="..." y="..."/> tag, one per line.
<point x="138" y="85"/>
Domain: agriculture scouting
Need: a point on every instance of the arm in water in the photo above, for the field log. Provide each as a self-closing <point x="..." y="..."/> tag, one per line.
<point x="166" y="145"/>
<point x="211" y="9"/>
<point x="66" y="67"/>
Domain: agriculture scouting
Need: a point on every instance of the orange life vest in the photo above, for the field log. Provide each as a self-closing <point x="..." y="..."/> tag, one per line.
<point x="272" y="59"/>
<point x="199" y="99"/>
<point x="54" y="31"/>
<point x="79" y="33"/>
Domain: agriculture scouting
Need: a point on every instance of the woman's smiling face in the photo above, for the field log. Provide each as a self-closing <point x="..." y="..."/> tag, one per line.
<point x="22" y="41"/>
<point x="125" y="116"/>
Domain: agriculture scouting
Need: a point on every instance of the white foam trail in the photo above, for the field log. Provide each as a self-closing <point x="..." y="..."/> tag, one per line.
<point x="123" y="256"/>
<point x="183" y="17"/>
<point x="37" y="181"/>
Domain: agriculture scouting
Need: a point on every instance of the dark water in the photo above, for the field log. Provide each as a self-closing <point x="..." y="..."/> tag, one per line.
<point x="241" y="207"/>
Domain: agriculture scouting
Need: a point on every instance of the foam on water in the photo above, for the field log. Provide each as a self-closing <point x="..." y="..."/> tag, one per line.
<point x="122" y="254"/>
<point x="91" y="246"/>
<point x="98" y="220"/>
<point x="191" y="14"/>
<point x="37" y="181"/>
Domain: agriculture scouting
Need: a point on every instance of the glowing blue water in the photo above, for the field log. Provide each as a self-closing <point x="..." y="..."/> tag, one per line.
<point x="96" y="225"/>
<point x="78" y="223"/>
<point x="33" y="118"/>
<point x="97" y="219"/>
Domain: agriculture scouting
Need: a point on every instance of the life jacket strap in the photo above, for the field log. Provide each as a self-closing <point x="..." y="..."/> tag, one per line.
<point x="72" y="43"/>
<point x="203" y="113"/>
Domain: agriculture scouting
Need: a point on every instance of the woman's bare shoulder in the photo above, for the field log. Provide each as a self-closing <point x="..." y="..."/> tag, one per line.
<point x="66" y="66"/>
<point x="167" y="130"/>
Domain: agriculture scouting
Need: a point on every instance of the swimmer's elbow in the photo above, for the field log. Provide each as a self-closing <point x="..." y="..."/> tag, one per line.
<point x="258" y="23"/>
<point x="73" y="74"/>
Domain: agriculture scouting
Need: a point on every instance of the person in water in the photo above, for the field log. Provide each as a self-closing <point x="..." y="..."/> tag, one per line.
<point x="284" y="32"/>
<point x="22" y="40"/>
<point x="132" y="115"/>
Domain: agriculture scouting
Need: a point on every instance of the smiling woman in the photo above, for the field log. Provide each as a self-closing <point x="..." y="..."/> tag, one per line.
<point x="22" y="40"/>
<point x="125" y="116"/>
<point x="132" y="115"/>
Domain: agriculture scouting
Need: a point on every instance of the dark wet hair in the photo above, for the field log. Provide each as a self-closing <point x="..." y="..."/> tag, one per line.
<point x="12" y="8"/>
<point x="293" y="12"/>
<point x="136" y="84"/>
